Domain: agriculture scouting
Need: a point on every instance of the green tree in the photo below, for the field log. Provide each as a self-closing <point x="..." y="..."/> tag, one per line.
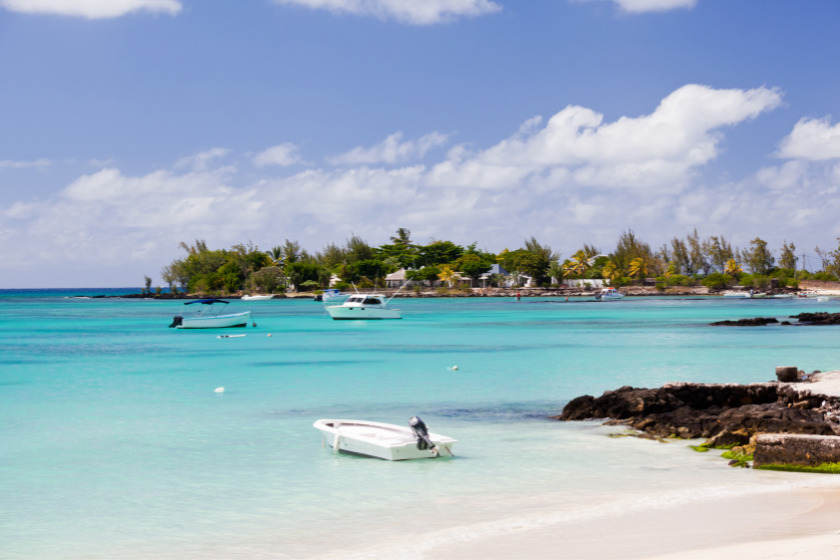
<point x="473" y="266"/>
<point x="268" y="279"/>
<point x="758" y="258"/>
<point x="300" y="272"/>
<point x="788" y="259"/>
<point x="440" y="252"/>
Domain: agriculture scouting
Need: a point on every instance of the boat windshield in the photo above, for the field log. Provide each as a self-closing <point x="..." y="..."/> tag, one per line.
<point x="372" y="301"/>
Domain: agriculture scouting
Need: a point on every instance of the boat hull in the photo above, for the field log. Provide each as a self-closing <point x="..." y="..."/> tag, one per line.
<point x="233" y="320"/>
<point x="354" y="313"/>
<point x="382" y="441"/>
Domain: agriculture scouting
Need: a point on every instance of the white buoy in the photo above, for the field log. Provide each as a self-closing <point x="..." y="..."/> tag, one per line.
<point x="219" y="390"/>
<point x="454" y="368"/>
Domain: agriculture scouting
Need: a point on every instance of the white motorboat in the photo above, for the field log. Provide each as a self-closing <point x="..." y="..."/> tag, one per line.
<point x="363" y="306"/>
<point x="209" y="317"/>
<point x="752" y="294"/>
<point x="258" y="297"/>
<point x="384" y="441"/>
<point x="330" y="294"/>
<point x="608" y="294"/>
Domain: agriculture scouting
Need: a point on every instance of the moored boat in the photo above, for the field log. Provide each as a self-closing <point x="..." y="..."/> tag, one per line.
<point x="257" y="297"/>
<point x="209" y="318"/>
<point x="384" y="441"/>
<point x="363" y="306"/>
<point x="608" y="294"/>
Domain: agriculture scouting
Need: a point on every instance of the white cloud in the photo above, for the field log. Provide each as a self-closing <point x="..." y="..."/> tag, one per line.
<point x="283" y="155"/>
<point x="202" y="160"/>
<point x="560" y="179"/>
<point x="657" y="150"/>
<point x="91" y="9"/>
<point x="812" y="139"/>
<point x="391" y="150"/>
<point x="642" y="6"/>
<point x="10" y="164"/>
<point x="416" y="12"/>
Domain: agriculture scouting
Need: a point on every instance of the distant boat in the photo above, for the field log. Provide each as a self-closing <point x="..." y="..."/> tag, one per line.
<point x="363" y="306"/>
<point x="384" y="441"/>
<point x="608" y="294"/>
<point x="330" y="294"/>
<point x="744" y="294"/>
<point x="257" y="297"/>
<point x="209" y="317"/>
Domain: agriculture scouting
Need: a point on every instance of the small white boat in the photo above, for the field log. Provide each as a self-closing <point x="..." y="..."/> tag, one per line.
<point x="363" y="306"/>
<point x="608" y="294"/>
<point x="384" y="441"/>
<point x="736" y="294"/>
<point x="783" y="296"/>
<point x="330" y="294"/>
<point x="209" y="318"/>
<point x="259" y="297"/>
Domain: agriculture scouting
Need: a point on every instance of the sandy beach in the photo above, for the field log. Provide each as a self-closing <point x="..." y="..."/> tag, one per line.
<point x="803" y="522"/>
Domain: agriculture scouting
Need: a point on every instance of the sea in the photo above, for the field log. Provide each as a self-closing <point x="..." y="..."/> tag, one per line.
<point x="121" y="438"/>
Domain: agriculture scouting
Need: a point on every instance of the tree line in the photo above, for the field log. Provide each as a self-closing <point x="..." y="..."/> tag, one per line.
<point x="691" y="260"/>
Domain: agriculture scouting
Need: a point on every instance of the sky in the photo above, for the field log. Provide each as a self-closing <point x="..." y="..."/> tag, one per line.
<point x="129" y="126"/>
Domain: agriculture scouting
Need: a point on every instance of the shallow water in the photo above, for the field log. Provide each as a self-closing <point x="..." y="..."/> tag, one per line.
<point x="115" y="444"/>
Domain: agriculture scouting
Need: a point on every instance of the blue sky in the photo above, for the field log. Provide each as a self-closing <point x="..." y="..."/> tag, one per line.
<point x="127" y="126"/>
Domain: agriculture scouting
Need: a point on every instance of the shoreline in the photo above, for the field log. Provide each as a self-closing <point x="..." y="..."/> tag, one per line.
<point x="782" y="523"/>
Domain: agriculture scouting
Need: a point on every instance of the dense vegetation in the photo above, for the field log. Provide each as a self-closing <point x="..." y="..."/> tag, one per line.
<point x="712" y="262"/>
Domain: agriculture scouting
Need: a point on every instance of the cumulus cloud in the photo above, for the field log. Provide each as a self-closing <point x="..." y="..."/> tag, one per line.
<point x="423" y="12"/>
<point x="642" y="6"/>
<point x="562" y="179"/>
<point x="391" y="150"/>
<point x="283" y="155"/>
<point x="655" y="150"/>
<point x="812" y="139"/>
<point x="91" y="9"/>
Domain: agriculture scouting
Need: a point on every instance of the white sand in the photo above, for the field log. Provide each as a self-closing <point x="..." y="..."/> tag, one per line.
<point x="825" y="383"/>
<point x="793" y="524"/>
<point x="803" y="523"/>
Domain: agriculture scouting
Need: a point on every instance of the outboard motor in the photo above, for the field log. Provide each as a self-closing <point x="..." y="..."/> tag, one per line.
<point x="176" y="320"/>
<point x="421" y="432"/>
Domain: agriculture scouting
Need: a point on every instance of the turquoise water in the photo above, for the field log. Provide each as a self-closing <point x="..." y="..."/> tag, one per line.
<point x="116" y="445"/>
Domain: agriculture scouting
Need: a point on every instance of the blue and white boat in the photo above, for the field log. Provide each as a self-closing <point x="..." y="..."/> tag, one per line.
<point x="208" y="317"/>
<point x="609" y="294"/>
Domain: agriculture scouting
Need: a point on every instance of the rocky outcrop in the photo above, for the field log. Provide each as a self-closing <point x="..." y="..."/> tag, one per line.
<point x="798" y="450"/>
<point x="819" y="318"/>
<point x="723" y="414"/>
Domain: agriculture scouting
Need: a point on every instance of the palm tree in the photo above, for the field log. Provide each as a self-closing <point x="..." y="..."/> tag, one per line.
<point x="611" y="272"/>
<point x="276" y="254"/>
<point x="638" y="267"/>
<point x="671" y="270"/>
<point x="578" y="265"/>
<point x="446" y="274"/>
<point x="733" y="268"/>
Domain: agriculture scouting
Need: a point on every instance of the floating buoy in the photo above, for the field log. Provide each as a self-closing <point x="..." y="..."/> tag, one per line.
<point x="454" y="368"/>
<point x="269" y="334"/>
<point x="219" y="390"/>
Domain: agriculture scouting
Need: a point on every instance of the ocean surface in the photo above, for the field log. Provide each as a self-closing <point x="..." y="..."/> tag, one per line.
<point x="114" y="443"/>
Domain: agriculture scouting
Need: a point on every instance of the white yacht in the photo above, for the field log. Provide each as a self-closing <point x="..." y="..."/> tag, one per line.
<point x="363" y="306"/>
